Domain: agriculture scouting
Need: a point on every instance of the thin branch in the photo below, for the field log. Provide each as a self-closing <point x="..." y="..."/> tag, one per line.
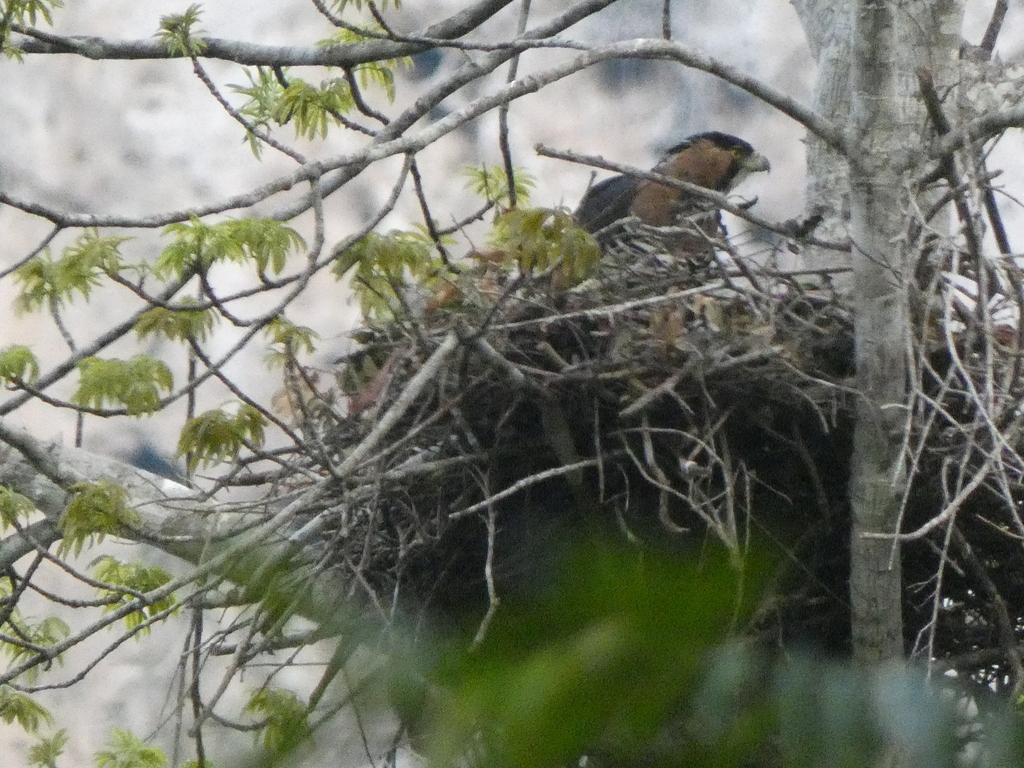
<point x="995" y="25"/>
<point x="428" y="219"/>
<point x="254" y="54"/>
<point x="503" y="142"/>
<point x="235" y="115"/>
<point x="493" y="600"/>
<point x="33" y="253"/>
<point x="526" y="482"/>
<point x="980" y="129"/>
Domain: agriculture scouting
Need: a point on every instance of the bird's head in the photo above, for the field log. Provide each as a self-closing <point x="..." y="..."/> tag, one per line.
<point x="714" y="160"/>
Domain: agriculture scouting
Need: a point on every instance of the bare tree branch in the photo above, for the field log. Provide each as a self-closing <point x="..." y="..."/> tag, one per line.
<point x="218" y="538"/>
<point x="254" y="54"/>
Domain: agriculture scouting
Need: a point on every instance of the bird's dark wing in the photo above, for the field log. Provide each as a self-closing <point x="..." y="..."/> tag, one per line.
<point x="606" y="203"/>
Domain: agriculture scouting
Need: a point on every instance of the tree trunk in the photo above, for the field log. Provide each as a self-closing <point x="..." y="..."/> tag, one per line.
<point x="890" y="41"/>
<point x="879" y="126"/>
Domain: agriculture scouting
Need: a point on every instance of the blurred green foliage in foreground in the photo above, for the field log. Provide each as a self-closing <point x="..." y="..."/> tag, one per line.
<point x="641" y="661"/>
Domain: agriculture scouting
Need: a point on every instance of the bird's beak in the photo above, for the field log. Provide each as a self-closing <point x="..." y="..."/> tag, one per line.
<point x="756" y="163"/>
<point x="753" y="164"/>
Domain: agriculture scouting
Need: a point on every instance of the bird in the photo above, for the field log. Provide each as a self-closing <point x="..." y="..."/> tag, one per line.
<point x="653" y="217"/>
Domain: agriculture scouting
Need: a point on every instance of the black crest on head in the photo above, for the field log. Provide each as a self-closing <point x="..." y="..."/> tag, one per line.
<point x="719" y="139"/>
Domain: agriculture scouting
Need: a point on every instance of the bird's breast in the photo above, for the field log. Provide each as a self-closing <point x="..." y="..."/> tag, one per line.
<point x="655" y="204"/>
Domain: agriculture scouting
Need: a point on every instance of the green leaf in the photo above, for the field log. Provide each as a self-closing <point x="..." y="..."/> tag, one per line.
<point x="13" y="506"/>
<point x="197" y="246"/>
<point x="313" y="109"/>
<point x="378" y="74"/>
<point x="375" y="73"/>
<point x="44" y="634"/>
<point x="18" y="364"/>
<point x="127" y="751"/>
<point x="44" y="753"/>
<point x="536" y="239"/>
<point x="385" y="265"/>
<point x="28" y="11"/>
<point x="178" y="324"/>
<point x="218" y="436"/>
<point x="178" y="34"/>
<point x="78" y="271"/>
<point x="134" y="383"/>
<point x="286" y="719"/>
<point x="265" y="241"/>
<point x="264" y="92"/>
<point x="97" y="510"/>
<point x="137" y="576"/>
<point x="21" y="709"/>
<point x="289" y="340"/>
<point x="492" y="184"/>
<point x="92" y="253"/>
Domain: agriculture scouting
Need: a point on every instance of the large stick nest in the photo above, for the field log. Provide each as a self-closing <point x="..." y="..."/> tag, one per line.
<point x="665" y="405"/>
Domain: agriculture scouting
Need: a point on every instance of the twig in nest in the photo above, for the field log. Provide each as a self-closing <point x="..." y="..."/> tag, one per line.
<point x="651" y="395"/>
<point x="412" y="390"/>
<point x="489" y="352"/>
<point x="526" y="482"/>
